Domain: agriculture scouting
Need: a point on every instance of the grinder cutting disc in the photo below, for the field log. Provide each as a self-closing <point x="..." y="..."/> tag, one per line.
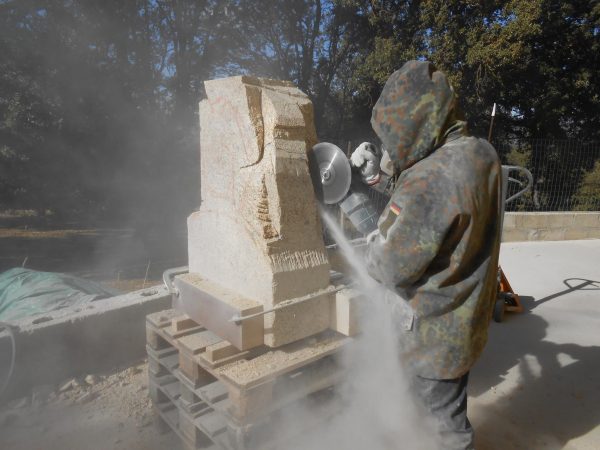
<point x="330" y="172"/>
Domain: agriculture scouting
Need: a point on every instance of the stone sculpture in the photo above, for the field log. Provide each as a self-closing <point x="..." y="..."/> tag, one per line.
<point x="257" y="232"/>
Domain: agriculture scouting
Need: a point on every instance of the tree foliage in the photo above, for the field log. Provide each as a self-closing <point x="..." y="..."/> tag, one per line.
<point x="587" y="197"/>
<point x="98" y="99"/>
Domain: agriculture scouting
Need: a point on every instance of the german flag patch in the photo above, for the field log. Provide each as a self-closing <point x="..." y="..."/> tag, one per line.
<point x="395" y="209"/>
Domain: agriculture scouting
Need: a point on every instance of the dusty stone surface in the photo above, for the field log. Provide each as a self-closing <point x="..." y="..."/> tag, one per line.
<point x="114" y="413"/>
<point x="257" y="231"/>
<point x="244" y="305"/>
<point x="248" y="372"/>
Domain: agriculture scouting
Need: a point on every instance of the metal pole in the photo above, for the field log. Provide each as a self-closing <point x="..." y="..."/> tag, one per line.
<point x="492" y="123"/>
<point x="146" y="276"/>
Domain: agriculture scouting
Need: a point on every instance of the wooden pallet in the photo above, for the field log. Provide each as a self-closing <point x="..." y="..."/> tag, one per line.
<point x="227" y="398"/>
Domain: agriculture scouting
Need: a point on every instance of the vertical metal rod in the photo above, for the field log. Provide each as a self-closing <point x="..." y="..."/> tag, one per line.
<point x="146" y="276"/>
<point x="492" y="123"/>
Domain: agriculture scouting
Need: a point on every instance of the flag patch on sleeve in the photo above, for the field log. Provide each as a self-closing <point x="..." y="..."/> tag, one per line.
<point x="395" y="208"/>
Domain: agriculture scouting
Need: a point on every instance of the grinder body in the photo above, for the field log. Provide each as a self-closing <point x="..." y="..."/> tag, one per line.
<point x="336" y="183"/>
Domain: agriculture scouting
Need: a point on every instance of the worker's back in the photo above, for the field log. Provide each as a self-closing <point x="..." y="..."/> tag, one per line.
<point x="439" y="250"/>
<point x="438" y="239"/>
<point x="464" y="271"/>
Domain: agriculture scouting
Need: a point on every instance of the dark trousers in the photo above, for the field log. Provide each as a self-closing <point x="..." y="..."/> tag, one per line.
<point x="446" y="400"/>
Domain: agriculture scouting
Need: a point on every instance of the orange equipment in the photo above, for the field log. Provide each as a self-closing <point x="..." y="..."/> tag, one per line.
<point x="506" y="299"/>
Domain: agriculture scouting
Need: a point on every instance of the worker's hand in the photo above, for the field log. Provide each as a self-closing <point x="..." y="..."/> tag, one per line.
<point x="367" y="158"/>
<point x="372" y="236"/>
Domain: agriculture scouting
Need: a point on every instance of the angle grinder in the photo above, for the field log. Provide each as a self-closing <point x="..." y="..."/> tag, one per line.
<point x="335" y="183"/>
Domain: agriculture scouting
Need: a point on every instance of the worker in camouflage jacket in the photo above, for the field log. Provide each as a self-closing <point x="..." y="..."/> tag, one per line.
<point x="438" y="239"/>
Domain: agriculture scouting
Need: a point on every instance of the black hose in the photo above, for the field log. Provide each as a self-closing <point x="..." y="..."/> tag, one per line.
<point x="12" y="358"/>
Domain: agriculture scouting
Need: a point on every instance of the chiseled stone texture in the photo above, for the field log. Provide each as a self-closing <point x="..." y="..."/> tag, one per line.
<point x="257" y="231"/>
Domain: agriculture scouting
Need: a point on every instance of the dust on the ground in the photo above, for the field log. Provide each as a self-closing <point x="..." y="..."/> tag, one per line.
<point x="99" y="411"/>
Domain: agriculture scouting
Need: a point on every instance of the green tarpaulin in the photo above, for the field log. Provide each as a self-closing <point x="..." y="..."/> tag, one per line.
<point x="25" y="292"/>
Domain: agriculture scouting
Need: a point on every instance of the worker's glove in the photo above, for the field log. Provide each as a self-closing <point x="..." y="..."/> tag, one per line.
<point x="367" y="158"/>
<point x="372" y="236"/>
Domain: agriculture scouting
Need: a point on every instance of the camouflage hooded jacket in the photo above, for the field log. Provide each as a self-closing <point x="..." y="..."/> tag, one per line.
<point x="438" y="239"/>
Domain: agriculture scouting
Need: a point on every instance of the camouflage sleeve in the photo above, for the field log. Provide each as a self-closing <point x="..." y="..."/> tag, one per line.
<point x="411" y="230"/>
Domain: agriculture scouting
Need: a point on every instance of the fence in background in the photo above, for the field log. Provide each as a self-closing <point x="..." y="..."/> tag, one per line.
<point x="566" y="173"/>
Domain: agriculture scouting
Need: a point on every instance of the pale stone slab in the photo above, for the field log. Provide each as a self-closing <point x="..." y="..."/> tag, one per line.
<point x="215" y="308"/>
<point x="257" y="231"/>
<point x="345" y="311"/>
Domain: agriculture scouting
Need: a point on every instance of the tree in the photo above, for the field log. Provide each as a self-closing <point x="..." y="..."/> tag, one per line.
<point x="309" y="42"/>
<point x="587" y="197"/>
<point x="98" y="100"/>
<point x="79" y="81"/>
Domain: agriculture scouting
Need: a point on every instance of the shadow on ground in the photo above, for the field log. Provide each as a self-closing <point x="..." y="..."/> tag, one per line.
<point x="548" y="392"/>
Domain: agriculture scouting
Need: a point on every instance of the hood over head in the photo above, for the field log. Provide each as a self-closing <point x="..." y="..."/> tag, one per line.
<point x="415" y="112"/>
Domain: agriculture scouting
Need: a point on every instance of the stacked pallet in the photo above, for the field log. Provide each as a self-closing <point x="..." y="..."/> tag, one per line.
<point x="215" y="396"/>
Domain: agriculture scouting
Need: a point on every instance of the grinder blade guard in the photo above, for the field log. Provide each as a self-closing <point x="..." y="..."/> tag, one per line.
<point x="335" y="183"/>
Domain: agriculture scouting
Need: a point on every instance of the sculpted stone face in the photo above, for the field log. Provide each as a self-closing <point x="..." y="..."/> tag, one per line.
<point x="257" y="232"/>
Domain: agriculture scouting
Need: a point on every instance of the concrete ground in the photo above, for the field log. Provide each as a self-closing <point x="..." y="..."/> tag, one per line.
<point x="537" y="385"/>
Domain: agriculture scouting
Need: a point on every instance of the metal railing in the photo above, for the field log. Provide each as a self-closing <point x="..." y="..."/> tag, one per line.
<point x="566" y="173"/>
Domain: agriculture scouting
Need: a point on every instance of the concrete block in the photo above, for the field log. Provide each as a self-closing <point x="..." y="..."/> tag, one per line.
<point x="548" y="234"/>
<point x="535" y="220"/>
<point x="518" y="219"/>
<point x="572" y="220"/>
<point x="514" y="235"/>
<point x="588" y="220"/>
<point x="593" y="233"/>
<point x="561" y="220"/>
<point x="81" y="340"/>
<point x="509" y="220"/>
<point x="535" y="226"/>
<point x="580" y="233"/>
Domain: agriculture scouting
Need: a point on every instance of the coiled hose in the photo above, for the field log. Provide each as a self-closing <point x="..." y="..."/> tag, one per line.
<point x="7" y="327"/>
